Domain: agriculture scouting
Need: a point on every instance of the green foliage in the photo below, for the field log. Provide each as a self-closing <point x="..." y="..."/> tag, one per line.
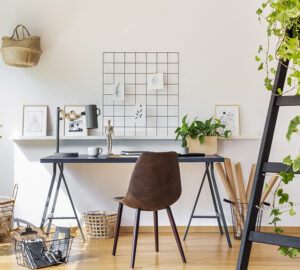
<point x="197" y="128"/>
<point x="283" y="24"/>
<point x="288" y="251"/>
<point x="293" y="127"/>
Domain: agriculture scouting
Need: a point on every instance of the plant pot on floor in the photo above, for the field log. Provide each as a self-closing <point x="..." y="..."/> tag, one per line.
<point x="209" y="146"/>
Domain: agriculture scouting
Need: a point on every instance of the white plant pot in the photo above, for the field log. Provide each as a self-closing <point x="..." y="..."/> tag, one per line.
<point x="209" y="146"/>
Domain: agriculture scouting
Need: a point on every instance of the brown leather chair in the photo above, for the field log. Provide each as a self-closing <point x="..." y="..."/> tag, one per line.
<point x="155" y="185"/>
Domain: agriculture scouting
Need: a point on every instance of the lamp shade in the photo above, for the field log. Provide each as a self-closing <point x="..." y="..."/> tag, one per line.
<point x="92" y="113"/>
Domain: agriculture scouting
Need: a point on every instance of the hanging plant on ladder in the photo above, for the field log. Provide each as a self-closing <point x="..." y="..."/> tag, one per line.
<point x="283" y="23"/>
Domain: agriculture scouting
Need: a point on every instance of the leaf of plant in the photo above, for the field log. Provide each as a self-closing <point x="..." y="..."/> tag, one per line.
<point x="292" y="212"/>
<point x="296" y="164"/>
<point x="259" y="11"/>
<point x="288" y="160"/>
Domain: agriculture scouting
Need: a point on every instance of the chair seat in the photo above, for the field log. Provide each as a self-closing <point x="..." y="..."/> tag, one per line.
<point x="118" y="198"/>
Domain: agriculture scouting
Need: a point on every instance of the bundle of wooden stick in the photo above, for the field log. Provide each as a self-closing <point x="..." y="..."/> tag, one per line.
<point x="241" y="198"/>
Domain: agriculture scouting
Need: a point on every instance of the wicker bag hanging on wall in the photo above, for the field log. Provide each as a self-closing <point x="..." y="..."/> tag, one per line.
<point x="22" y="51"/>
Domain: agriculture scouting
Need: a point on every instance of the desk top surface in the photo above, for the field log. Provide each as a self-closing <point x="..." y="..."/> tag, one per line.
<point x="105" y="159"/>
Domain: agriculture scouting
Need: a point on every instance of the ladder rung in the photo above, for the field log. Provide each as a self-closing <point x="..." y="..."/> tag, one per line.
<point x="274" y="239"/>
<point x="288" y="101"/>
<point x="276" y="167"/>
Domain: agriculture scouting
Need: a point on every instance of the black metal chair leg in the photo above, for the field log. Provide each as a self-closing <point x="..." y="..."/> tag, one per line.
<point x="117" y="229"/>
<point x="175" y="232"/>
<point x="155" y="217"/>
<point x="135" y="236"/>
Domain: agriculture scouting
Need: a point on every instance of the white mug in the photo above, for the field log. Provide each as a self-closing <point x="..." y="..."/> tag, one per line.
<point x="94" y="151"/>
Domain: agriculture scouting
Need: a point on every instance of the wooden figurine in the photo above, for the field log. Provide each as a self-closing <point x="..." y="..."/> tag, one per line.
<point x="109" y="131"/>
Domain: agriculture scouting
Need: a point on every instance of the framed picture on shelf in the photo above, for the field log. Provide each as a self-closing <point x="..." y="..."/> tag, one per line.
<point x="34" y="120"/>
<point x="230" y="117"/>
<point x="78" y="126"/>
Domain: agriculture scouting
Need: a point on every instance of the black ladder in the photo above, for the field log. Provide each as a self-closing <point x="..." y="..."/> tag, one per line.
<point x="263" y="167"/>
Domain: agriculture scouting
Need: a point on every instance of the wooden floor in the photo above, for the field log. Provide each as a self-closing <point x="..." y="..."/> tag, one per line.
<point x="203" y="251"/>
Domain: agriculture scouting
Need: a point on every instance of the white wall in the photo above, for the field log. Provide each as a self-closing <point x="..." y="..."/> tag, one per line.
<point x="217" y="41"/>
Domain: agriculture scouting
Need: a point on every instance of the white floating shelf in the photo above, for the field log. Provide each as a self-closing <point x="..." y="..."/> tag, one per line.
<point x="243" y="137"/>
<point x="52" y="138"/>
<point x="74" y="138"/>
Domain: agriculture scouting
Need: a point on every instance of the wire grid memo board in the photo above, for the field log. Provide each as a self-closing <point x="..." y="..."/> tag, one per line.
<point x="161" y="106"/>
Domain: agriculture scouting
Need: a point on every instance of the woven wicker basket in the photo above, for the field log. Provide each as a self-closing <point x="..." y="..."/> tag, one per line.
<point x="6" y="211"/>
<point x="21" y="52"/>
<point x="100" y="225"/>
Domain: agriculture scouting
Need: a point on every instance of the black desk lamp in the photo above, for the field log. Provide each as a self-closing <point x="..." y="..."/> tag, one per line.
<point x="91" y="113"/>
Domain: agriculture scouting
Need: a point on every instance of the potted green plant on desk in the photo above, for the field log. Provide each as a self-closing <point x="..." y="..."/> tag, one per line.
<point x="201" y="137"/>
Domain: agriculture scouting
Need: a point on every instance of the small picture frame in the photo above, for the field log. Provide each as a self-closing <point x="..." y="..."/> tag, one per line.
<point x="78" y="126"/>
<point x="155" y="81"/>
<point x="34" y="120"/>
<point x="119" y="91"/>
<point x="230" y="117"/>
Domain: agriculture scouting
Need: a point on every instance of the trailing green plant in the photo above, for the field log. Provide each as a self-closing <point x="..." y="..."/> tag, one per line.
<point x="197" y="128"/>
<point x="283" y="24"/>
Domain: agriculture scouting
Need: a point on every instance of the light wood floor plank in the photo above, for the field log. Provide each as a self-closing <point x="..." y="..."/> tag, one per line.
<point x="207" y="251"/>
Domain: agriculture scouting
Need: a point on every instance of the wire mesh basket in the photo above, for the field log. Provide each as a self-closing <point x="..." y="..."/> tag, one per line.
<point x="42" y="252"/>
<point x="100" y="224"/>
<point x="239" y="213"/>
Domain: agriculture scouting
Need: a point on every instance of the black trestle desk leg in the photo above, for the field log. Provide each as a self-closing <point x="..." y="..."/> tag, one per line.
<point x="219" y="203"/>
<point x="54" y="203"/>
<point x="48" y="197"/>
<point x="196" y="202"/>
<point x="215" y="203"/>
<point x="61" y="167"/>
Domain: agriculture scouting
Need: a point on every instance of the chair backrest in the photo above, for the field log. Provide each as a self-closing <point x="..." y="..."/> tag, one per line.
<point x="155" y="182"/>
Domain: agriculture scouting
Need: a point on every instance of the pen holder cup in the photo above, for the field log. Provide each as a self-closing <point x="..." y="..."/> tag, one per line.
<point x="100" y="225"/>
<point x="54" y="252"/>
<point x="239" y="213"/>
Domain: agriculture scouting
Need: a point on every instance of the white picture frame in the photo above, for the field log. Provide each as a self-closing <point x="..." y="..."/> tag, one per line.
<point x="78" y="126"/>
<point x="34" y="120"/>
<point x="230" y="116"/>
<point x="155" y="81"/>
<point x="119" y="91"/>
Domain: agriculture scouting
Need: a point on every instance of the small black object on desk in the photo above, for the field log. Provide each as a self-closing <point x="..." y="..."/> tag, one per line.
<point x="209" y="161"/>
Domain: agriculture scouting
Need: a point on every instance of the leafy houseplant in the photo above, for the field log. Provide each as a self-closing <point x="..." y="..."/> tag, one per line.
<point x="200" y="130"/>
<point x="283" y="24"/>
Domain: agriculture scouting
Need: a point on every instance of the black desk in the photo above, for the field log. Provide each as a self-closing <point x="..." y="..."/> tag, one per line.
<point x="58" y="162"/>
